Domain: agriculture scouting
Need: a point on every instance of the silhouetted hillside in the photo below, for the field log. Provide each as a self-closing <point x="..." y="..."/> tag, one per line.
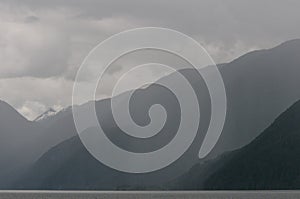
<point x="259" y="85"/>
<point x="271" y="161"/>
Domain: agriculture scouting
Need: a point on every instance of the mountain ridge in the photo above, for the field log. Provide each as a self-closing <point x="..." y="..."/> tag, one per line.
<point x="48" y="113"/>
<point x="252" y="105"/>
<point x="270" y="162"/>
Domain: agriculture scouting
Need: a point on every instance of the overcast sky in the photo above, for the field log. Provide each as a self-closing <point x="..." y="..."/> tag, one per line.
<point x="42" y="43"/>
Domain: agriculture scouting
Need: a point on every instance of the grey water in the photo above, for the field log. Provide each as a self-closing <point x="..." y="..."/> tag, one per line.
<point x="151" y="194"/>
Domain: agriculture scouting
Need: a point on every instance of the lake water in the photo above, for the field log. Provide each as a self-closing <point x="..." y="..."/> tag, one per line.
<point x="152" y="194"/>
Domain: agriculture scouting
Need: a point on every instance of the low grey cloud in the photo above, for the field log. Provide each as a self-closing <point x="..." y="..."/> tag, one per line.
<point x="31" y="49"/>
<point x="31" y="19"/>
<point x="32" y="96"/>
<point x="45" y="41"/>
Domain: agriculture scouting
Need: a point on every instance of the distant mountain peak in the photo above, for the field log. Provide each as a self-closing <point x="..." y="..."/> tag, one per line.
<point x="50" y="112"/>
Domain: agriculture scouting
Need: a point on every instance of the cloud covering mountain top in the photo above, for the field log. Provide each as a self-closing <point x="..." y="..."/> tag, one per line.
<point x="42" y="43"/>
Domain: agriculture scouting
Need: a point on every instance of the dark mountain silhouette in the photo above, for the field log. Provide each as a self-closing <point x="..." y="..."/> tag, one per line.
<point x="22" y="142"/>
<point x="271" y="161"/>
<point x="12" y="142"/>
<point x="53" y="171"/>
<point x="260" y="85"/>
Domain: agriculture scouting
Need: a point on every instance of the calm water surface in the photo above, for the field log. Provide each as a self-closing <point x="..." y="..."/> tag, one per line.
<point x="133" y="195"/>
